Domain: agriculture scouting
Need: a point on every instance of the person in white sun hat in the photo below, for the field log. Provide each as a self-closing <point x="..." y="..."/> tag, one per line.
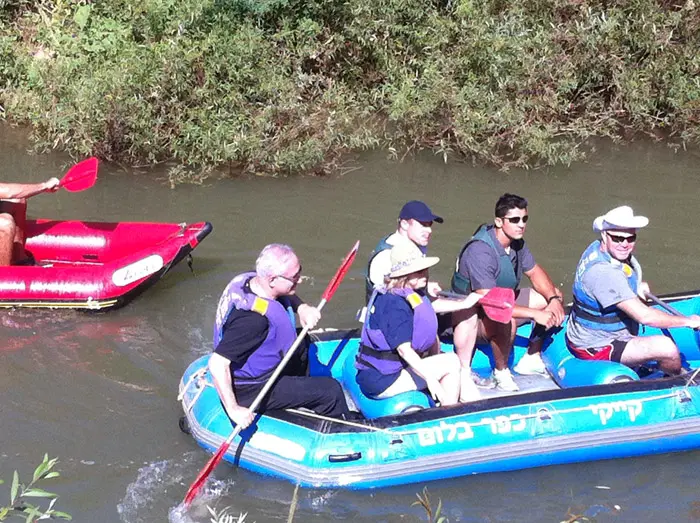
<point x="400" y="350"/>
<point x="607" y="308"/>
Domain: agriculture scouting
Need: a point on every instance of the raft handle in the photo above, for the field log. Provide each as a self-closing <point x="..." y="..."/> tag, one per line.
<point x="543" y="414"/>
<point x="344" y="458"/>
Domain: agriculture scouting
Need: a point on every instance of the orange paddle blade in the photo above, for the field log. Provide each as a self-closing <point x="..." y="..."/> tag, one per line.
<point x="498" y="304"/>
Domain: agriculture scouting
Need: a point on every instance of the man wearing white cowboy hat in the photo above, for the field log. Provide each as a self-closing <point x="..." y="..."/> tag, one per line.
<point x="400" y="350"/>
<point x="607" y="309"/>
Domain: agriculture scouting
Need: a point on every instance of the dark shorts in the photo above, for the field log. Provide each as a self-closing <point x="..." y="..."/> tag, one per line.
<point x="372" y="382"/>
<point x="610" y="352"/>
<point x="444" y="323"/>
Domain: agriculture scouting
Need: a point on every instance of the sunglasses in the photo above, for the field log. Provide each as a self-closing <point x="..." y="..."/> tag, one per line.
<point x="293" y="280"/>
<point x="516" y="219"/>
<point x="619" y="239"/>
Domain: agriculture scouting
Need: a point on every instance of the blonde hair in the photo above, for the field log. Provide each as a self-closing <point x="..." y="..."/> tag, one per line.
<point x="396" y="283"/>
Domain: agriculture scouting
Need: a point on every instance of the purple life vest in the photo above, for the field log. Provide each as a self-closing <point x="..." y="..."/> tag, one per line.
<point x="376" y="353"/>
<point x="281" y="332"/>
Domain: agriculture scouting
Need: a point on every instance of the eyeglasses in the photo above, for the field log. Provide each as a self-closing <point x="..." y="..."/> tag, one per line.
<point x="294" y="279"/>
<point x="516" y="219"/>
<point x="619" y="239"/>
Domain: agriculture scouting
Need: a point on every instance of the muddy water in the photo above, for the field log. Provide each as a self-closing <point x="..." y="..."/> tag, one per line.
<point x="99" y="391"/>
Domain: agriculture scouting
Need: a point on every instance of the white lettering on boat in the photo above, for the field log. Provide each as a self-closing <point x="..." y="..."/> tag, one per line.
<point x="506" y="424"/>
<point x="276" y="445"/>
<point x="137" y="270"/>
<point x="434" y="435"/>
<point x="606" y="410"/>
<point x="64" y="287"/>
<point x="12" y="286"/>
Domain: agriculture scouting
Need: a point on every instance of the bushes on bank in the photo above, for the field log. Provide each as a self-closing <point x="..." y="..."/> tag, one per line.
<point x="281" y="86"/>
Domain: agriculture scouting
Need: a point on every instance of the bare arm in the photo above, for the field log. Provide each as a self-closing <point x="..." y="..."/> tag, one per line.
<point x="414" y="361"/>
<point x="221" y="373"/>
<point x="642" y="313"/>
<point x="411" y="357"/>
<point x="542" y="283"/>
<point x="449" y="304"/>
<point x="15" y="191"/>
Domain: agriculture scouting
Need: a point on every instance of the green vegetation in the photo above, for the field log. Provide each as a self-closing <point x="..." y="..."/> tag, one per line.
<point x="20" y="495"/>
<point x="281" y="86"/>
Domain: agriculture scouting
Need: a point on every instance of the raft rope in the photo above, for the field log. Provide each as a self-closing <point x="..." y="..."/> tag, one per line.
<point x="198" y="375"/>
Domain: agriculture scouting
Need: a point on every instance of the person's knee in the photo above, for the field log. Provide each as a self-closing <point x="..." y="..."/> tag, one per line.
<point x="451" y="363"/>
<point x="7" y="224"/>
<point x="666" y="348"/>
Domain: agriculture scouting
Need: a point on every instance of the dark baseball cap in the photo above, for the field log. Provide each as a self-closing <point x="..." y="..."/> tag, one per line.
<point x="417" y="210"/>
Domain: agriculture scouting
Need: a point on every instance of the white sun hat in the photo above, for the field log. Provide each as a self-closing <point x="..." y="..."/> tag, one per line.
<point x="619" y="218"/>
<point x="407" y="258"/>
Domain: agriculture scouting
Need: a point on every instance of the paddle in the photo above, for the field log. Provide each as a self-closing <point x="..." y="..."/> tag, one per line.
<point x="663" y="305"/>
<point x="81" y="176"/>
<point x="217" y="457"/>
<point x="497" y="303"/>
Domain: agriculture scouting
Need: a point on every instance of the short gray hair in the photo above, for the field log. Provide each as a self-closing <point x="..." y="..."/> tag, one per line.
<point x="274" y="259"/>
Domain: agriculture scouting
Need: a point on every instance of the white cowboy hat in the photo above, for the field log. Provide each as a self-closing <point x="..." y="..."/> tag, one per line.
<point x="407" y="258"/>
<point x="619" y="218"/>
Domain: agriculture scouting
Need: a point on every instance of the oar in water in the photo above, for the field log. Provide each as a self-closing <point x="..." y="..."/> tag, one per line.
<point x="218" y="456"/>
<point x="81" y="176"/>
<point x="497" y="303"/>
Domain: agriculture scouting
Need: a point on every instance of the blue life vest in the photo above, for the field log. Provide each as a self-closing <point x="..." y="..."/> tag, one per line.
<point x="281" y="332"/>
<point x="376" y="353"/>
<point x="507" y="276"/>
<point x="586" y="310"/>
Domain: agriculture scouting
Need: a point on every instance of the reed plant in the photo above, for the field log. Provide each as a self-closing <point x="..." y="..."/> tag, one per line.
<point x="285" y="86"/>
<point x="22" y="502"/>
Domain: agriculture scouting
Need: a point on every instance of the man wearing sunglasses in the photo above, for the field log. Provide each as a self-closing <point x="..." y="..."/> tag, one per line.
<point x="254" y="329"/>
<point x="497" y="256"/>
<point x="607" y="309"/>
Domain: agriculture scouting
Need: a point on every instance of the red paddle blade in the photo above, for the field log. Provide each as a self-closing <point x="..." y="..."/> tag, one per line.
<point x="197" y="484"/>
<point x="81" y="176"/>
<point x="498" y="304"/>
<point x="340" y="273"/>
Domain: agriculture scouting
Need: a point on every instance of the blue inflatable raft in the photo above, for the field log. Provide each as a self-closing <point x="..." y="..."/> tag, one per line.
<point x="585" y="411"/>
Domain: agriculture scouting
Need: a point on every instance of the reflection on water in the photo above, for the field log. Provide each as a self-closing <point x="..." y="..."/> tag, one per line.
<point x="99" y="390"/>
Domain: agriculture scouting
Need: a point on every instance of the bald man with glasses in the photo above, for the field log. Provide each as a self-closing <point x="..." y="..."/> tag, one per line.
<point x="607" y="309"/>
<point x="497" y="256"/>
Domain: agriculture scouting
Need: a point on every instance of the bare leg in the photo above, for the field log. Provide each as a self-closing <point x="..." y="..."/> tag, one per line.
<point x="660" y="348"/>
<point x="7" y="235"/>
<point x="466" y="326"/>
<point x="19" y="213"/>
<point x="533" y="300"/>
<point x="501" y="337"/>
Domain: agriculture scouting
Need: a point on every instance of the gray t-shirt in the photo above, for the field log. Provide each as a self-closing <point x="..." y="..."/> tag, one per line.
<point x="609" y="286"/>
<point x="479" y="262"/>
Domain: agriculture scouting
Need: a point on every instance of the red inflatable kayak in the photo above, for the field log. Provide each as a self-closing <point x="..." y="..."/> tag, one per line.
<point x="95" y="265"/>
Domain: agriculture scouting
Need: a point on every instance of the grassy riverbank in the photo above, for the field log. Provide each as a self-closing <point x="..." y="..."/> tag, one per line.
<point x="281" y="86"/>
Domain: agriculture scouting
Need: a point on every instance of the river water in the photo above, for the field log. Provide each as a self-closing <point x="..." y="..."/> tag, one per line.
<point x="99" y="390"/>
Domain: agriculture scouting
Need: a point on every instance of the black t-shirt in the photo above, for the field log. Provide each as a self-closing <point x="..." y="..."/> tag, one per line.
<point x="243" y="333"/>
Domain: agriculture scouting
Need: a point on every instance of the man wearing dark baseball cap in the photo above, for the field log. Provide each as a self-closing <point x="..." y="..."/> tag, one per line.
<point x="415" y="224"/>
<point x="417" y="210"/>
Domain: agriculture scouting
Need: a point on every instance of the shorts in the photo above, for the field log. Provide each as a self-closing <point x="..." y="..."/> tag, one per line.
<point x="610" y="352"/>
